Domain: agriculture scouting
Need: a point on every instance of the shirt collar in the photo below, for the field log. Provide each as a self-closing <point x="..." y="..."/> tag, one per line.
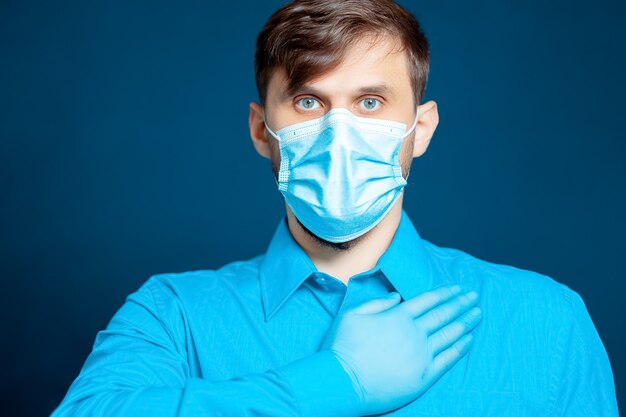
<point x="286" y="266"/>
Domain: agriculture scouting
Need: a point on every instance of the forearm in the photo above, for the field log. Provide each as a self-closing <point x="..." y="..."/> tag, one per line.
<point x="312" y="386"/>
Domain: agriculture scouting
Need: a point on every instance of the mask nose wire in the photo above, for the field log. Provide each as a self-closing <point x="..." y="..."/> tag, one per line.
<point x="278" y="137"/>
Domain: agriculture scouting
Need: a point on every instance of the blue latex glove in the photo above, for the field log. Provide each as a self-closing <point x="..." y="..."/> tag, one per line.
<point x="395" y="351"/>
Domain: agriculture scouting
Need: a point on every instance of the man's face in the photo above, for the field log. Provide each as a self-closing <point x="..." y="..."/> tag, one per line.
<point x="372" y="81"/>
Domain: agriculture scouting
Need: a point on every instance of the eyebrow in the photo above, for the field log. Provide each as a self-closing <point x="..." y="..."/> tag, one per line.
<point x="381" y="89"/>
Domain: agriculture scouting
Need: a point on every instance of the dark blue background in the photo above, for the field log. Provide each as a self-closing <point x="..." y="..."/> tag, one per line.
<point x="125" y="153"/>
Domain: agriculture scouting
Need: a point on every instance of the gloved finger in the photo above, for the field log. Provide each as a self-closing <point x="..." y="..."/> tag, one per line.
<point x="378" y="305"/>
<point x="447" y="359"/>
<point x="441" y="315"/>
<point x="419" y="304"/>
<point x="450" y="334"/>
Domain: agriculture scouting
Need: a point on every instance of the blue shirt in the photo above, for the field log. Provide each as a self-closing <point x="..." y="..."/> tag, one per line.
<point x="243" y="341"/>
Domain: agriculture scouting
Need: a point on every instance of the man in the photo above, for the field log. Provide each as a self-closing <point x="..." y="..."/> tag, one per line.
<point x="349" y="312"/>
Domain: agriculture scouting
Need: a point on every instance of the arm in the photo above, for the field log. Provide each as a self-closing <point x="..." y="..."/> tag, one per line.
<point x="584" y="383"/>
<point x="138" y="368"/>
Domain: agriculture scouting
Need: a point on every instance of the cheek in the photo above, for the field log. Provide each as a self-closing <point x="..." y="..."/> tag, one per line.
<point x="406" y="154"/>
<point x="274" y="156"/>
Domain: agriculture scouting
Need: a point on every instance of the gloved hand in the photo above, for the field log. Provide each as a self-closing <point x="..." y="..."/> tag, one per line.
<point x="395" y="351"/>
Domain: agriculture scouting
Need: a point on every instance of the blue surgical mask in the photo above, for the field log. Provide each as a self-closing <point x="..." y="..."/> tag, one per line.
<point x="340" y="174"/>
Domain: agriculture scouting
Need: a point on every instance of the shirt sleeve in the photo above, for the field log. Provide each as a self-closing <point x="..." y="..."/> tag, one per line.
<point x="583" y="381"/>
<point x="138" y="367"/>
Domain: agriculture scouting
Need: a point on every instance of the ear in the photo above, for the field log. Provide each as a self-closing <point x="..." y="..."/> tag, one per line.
<point x="257" y="130"/>
<point x="427" y="121"/>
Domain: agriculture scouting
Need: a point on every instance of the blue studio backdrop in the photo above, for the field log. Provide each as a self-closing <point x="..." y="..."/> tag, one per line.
<point x="125" y="153"/>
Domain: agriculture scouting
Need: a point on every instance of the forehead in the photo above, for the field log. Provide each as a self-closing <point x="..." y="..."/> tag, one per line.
<point x="372" y="61"/>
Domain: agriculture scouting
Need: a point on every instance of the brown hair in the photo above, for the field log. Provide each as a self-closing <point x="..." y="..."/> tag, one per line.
<point x="310" y="37"/>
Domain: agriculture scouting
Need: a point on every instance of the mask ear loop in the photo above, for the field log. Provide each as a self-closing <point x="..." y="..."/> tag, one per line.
<point x="412" y="126"/>
<point x="269" y="129"/>
<point x="404" y="137"/>
<point x="283" y="162"/>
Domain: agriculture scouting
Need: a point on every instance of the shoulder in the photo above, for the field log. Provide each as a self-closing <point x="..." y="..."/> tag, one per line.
<point x="503" y="284"/>
<point x="204" y="285"/>
<point x="519" y="305"/>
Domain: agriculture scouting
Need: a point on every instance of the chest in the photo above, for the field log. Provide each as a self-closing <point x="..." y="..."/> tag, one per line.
<point x="503" y="375"/>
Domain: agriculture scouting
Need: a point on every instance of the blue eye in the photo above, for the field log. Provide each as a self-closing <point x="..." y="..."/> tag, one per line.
<point x="370" y="104"/>
<point x="308" y="103"/>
